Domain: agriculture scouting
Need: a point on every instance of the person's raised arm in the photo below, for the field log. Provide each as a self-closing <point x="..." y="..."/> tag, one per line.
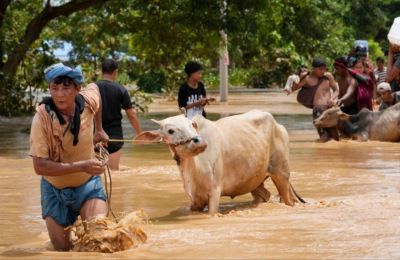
<point x="393" y="67"/>
<point x="99" y="133"/>
<point x="300" y="85"/>
<point x="392" y="74"/>
<point x="390" y="59"/>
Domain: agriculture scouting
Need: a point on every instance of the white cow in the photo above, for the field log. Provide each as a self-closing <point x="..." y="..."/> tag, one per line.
<point x="228" y="157"/>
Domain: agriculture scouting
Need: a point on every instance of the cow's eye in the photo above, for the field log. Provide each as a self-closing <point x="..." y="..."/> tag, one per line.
<point x="171" y="132"/>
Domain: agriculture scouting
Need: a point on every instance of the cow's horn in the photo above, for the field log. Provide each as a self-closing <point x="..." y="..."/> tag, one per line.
<point x="160" y="123"/>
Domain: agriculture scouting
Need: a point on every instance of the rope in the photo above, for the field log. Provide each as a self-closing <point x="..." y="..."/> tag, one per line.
<point x="134" y="141"/>
<point x="102" y="155"/>
<point x="149" y="142"/>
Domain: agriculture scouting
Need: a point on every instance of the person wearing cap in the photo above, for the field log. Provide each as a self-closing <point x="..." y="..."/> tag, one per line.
<point x="115" y="97"/>
<point x="192" y="97"/>
<point x="317" y="86"/>
<point x="62" y="149"/>
<point x="387" y="97"/>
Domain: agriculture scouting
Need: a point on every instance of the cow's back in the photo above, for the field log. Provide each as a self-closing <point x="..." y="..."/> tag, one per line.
<point x="385" y="126"/>
<point x="247" y="142"/>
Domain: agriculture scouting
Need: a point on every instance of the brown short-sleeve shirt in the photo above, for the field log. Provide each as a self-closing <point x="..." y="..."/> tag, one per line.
<point x="41" y="135"/>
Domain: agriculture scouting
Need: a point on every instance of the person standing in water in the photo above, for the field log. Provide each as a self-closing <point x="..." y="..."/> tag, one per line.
<point x="317" y="87"/>
<point x="192" y="95"/>
<point x="115" y="98"/>
<point x="62" y="151"/>
<point x="365" y="84"/>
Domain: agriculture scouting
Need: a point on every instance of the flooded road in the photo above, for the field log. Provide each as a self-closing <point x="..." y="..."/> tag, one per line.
<point x="352" y="190"/>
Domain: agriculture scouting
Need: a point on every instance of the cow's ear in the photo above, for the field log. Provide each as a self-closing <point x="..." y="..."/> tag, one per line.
<point x="147" y="137"/>
<point x="160" y="123"/>
<point x="182" y="110"/>
<point x="343" y="116"/>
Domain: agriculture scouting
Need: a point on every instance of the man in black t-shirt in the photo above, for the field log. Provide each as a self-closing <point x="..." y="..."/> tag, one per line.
<point x="192" y="94"/>
<point x="115" y="97"/>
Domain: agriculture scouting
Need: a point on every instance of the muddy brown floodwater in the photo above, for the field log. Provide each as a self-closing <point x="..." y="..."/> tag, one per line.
<point x="352" y="190"/>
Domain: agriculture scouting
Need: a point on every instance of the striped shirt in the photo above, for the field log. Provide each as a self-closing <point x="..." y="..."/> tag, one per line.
<point x="380" y="75"/>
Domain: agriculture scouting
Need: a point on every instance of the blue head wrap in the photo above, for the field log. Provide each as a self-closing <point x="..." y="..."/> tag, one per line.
<point x="59" y="69"/>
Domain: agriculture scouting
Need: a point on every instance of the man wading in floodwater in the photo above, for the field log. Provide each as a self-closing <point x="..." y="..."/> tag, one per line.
<point x="315" y="93"/>
<point x="62" y="150"/>
<point x="115" y="97"/>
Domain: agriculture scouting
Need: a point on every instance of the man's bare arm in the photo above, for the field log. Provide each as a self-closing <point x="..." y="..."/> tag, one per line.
<point x="392" y="70"/>
<point x="99" y="135"/>
<point x="133" y="119"/>
<point x="334" y="86"/>
<point x="300" y="85"/>
<point x="390" y="59"/>
<point x="393" y="73"/>
<point x="46" y="167"/>
<point x="349" y="92"/>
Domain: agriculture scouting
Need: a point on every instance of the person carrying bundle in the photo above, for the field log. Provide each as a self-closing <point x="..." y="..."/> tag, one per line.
<point x="316" y="94"/>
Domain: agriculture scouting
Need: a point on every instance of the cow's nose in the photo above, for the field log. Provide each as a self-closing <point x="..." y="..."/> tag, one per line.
<point x="196" y="139"/>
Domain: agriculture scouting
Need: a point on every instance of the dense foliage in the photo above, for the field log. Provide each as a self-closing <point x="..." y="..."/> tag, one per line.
<point x="267" y="39"/>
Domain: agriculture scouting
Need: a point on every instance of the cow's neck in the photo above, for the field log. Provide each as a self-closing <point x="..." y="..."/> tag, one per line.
<point x="194" y="178"/>
<point x="186" y="175"/>
<point x="174" y="154"/>
<point x="355" y="124"/>
<point x="189" y="167"/>
<point x="347" y="128"/>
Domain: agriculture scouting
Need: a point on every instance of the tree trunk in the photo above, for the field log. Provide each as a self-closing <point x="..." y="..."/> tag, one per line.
<point x="3" y="7"/>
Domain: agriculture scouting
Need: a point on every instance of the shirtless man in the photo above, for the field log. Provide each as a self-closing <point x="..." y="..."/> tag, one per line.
<point x="323" y="82"/>
<point x="347" y="87"/>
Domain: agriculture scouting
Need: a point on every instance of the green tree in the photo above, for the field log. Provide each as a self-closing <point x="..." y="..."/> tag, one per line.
<point x="267" y="39"/>
<point x="16" y="41"/>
